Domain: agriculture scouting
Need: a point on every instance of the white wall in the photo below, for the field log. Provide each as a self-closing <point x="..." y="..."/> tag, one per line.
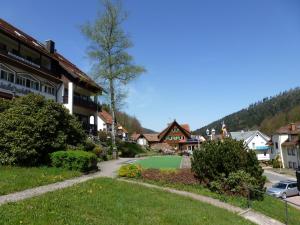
<point x="142" y="141"/>
<point x="280" y="139"/>
<point x="256" y="142"/>
<point x="101" y="124"/>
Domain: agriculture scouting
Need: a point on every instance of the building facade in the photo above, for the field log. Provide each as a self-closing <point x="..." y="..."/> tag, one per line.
<point x="177" y="136"/>
<point x="285" y="144"/>
<point x="256" y="141"/>
<point x="29" y="66"/>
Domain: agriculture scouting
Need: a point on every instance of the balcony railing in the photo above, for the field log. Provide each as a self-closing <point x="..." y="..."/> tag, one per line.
<point x="82" y="102"/>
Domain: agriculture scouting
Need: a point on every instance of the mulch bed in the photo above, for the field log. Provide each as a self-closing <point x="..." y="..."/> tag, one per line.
<point x="183" y="176"/>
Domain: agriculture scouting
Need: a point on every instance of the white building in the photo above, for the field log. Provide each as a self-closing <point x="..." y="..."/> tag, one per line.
<point x="285" y="144"/>
<point x="29" y="66"/>
<point x="256" y="141"/>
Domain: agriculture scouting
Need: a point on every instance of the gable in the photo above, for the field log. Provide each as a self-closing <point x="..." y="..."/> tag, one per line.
<point x="258" y="137"/>
<point x="174" y="129"/>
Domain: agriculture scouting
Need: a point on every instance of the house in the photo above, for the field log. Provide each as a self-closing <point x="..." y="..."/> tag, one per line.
<point x="146" y="139"/>
<point x="104" y="121"/>
<point x="105" y="124"/>
<point x="122" y="133"/>
<point x="256" y="141"/>
<point x="29" y="66"/>
<point x="177" y="136"/>
<point x="285" y="144"/>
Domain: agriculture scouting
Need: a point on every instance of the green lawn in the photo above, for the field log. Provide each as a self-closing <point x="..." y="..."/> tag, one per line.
<point x="270" y="206"/>
<point x="160" y="162"/>
<point x="14" y="179"/>
<point x="110" y="202"/>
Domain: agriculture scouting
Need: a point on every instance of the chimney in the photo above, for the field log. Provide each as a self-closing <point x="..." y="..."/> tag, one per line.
<point x="50" y="46"/>
<point x="292" y="126"/>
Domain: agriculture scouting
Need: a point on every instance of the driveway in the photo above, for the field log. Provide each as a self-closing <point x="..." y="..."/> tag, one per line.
<point x="274" y="177"/>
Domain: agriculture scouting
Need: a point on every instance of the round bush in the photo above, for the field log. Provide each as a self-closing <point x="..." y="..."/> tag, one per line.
<point x="224" y="164"/>
<point x="31" y="127"/>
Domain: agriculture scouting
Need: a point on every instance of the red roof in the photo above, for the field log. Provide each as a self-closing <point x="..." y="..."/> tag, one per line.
<point x="106" y="117"/>
<point x="185" y="128"/>
<point x="33" y="43"/>
<point x="287" y="129"/>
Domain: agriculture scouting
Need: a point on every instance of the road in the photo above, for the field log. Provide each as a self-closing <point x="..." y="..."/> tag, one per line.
<point x="276" y="177"/>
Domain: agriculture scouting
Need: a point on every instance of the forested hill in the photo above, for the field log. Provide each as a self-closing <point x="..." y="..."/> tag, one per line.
<point x="130" y="123"/>
<point x="267" y="115"/>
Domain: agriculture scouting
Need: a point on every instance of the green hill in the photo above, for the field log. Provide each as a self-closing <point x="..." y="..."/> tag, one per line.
<point x="266" y="115"/>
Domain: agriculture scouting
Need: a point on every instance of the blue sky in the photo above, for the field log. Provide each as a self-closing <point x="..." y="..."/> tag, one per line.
<point x="204" y="59"/>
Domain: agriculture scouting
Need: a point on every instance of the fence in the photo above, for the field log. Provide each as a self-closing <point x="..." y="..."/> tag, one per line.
<point x="285" y="209"/>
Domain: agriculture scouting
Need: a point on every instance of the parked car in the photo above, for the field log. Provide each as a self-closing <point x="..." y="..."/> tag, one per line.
<point x="284" y="189"/>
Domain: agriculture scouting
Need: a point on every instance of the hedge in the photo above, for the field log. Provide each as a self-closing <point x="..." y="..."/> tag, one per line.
<point x="74" y="160"/>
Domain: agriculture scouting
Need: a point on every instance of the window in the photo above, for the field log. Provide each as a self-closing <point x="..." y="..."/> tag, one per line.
<point x="6" y="75"/>
<point x="30" y="54"/>
<point x="253" y="145"/>
<point x="276" y="145"/>
<point x="290" y="164"/>
<point x="265" y="153"/>
<point x="294" y="165"/>
<point x="48" y="89"/>
<point x="28" y="82"/>
<point x="293" y="152"/>
<point x="8" y="44"/>
<point x="46" y="62"/>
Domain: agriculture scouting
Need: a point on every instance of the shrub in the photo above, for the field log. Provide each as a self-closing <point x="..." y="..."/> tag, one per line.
<point x="128" y="149"/>
<point x="98" y="151"/>
<point x="31" y="127"/>
<point x="226" y="163"/>
<point x="130" y="170"/>
<point x="89" y="145"/>
<point x="74" y="160"/>
<point x="276" y="162"/>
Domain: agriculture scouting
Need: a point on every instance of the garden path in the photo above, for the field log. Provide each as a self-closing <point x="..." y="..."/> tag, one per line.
<point x="251" y="215"/>
<point x="107" y="169"/>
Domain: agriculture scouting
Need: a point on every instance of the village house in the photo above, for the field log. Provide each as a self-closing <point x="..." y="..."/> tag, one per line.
<point x="29" y="66"/>
<point x="177" y="136"/>
<point x="105" y="124"/>
<point x="285" y="144"/>
<point x="256" y="141"/>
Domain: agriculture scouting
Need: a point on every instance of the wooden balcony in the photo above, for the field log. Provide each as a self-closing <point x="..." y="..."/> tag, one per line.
<point x="83" y="103"/>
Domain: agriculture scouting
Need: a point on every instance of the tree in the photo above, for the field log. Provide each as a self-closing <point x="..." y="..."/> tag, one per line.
<point x="32" y="127"/>
<point x="113" y="66"/>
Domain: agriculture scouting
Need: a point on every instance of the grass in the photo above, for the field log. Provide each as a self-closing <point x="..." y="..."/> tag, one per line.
<point x="13" y="179"/>
<point x="110" y="202"/>
<point x="160" y="162"/>
<point x="270" y="206"/>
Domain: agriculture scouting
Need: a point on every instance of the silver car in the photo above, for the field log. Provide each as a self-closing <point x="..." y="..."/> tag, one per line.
<point x="284" y="189"/>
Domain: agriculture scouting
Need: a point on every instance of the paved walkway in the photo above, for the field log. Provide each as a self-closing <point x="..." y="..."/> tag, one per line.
<point x="185" y="162"/>
<point x="253" y="216"/>
<point x="107" y="169"/>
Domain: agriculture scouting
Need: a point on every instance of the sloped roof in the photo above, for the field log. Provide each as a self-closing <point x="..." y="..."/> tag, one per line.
<point x="106" y="117"/>
<point x="287" y="129"/>
<point x="245" y="135"/>
<point x="151" y="137"/>
<point x="135" y="136"/>
<point x="184" y="128"/>
<point x="33" y="43"/>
